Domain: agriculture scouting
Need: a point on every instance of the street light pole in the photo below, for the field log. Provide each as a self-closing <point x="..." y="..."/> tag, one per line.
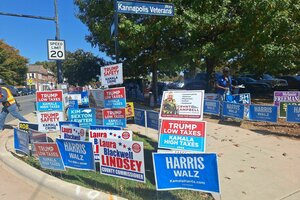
<point x="57" y="37"/>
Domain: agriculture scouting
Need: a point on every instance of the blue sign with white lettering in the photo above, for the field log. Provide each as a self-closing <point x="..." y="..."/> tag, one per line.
<point x="73" y="103"/>
<point x="115" y="103"/>
<point x="139" y="117"/>
<point x="115" y="122"/>
<point x="101" y="127"/>
<point x="152" y="119"/>
<point x="263" y="113"/>
<point x="293" y="114"/>
<point x="84" y="99"/>
<point x="145" y="8"/>
<point x="211" y="107"/>
<point x="65" y="123"/>
<point x="21" y="141"/>
<point x="51" y="163"/>
<point x="77" y="154"/>
<point x="191" y="171"/>
<point x="84" y="116"/>
<point x="234" y="110"/>
<point x="49" y="106"/>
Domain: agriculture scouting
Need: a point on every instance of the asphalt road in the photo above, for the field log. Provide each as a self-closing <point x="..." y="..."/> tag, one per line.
<point x="27" y="106"/>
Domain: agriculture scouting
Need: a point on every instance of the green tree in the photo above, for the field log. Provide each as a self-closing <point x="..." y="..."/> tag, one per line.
<point x="12" y="65"/>
<point x="81" y="67"/>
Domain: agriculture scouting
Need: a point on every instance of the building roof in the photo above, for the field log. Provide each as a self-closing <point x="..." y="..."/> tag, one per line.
<point x="37" y="69"/>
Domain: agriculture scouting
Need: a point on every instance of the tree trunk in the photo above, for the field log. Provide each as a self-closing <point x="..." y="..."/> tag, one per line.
<point x="154" y="83"/>
<point x="210" y="70"/>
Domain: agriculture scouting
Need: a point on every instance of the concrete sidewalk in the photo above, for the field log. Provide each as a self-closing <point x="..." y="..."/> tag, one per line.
<point x="251" y="165"/>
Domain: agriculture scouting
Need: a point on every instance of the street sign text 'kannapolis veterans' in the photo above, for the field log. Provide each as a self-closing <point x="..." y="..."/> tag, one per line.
<point x="145" y="8"/>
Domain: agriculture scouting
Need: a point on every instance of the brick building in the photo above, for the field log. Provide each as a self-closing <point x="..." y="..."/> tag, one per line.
<point x="40" y="78"/>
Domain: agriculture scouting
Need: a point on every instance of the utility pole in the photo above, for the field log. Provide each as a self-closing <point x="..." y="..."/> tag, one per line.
<point x="116" y="23"/>
<point x="57" y="37"/>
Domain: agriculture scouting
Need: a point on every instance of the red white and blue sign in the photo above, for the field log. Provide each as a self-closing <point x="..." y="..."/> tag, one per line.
<point x="49" y="156"/>
<point x="191" y="171"/>
<point x="49" y="100"/>
<point x="114" y="117"/>
<point x="293" y="113"/>
<point x="123" y="159"/>
<point x="183" y="135"/>
<point x="67" y="123"/>
<point x="234" y="110"/>
<point x="115" y="98"/>
<point x="84" y="116"/>
<point x="101" y="127"/>
<point x="73" y="133"/>
<point x="263" y="113"/>
<point x="139" y="117"/>
<point x="77" y="154"/>
<point x="211" y="107"/>
<point x="21" y="141"/>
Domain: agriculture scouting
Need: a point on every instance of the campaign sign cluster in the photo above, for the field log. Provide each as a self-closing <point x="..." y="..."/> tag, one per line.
<point x="76" y="154"/>
<point x="84" y="116"/>
<point x="186" y="171"/>
<point x="183" y="135"/>
<point x="49" y="156"/>
<point x="124" y="159"/>
<point x="49" y="100"/>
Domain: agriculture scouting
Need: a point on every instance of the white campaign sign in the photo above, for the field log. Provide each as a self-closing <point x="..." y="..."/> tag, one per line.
<point x="56" y="50"/>
<point x="49" y="121"/>
<point x="112" y="75"/>
<point x="73" y="133"/>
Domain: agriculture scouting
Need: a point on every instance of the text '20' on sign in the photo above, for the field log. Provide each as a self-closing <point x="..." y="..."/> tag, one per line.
<point x="56" y="50"/>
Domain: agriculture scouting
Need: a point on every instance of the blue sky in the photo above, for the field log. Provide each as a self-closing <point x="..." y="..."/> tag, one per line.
<point x="30" y="35"/>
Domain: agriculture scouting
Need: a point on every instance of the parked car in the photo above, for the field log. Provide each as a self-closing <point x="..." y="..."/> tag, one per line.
<point x="195" y="85"/>
<point x="253" y="86"/>
<point x="176" y="85"/>
<point x="23" y="91"/>
<point x="293" y="81"/>
<point x="275" y="83"/>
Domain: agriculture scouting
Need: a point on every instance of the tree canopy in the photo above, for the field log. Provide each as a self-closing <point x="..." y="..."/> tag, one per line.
<point x="254" y="36"/>
<point x="81" y="67"/>
<point x="12" y="65"/>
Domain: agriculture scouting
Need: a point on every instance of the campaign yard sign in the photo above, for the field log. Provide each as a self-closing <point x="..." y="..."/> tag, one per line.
<point x="36" y="136"/>
<point x="211" y="96"/>
<point x="74" y="96"/>
<point x="114" y="117"/>
<point x="283" y="107"/>
<point x="49" y="156"/>
<point x="152" y="119"/>
<point x="182" y="104"/>
<point x="123" y="159"/>
<point x="84" y="116"/>
<point x="76" y="154"/>
<point x="49" y="100"/>
<point x="73" y="133"/>
<point x="115" y="98"/>
<point x="286" y="96"/>
<point x="130" y="112"/>
<point x="68" y="123"/>
<point x="49" y="121"/>
<point x="102" y="127"/>
<point x="243" y="98"/>
<point x="234" y="110"/>
<point x="73" y="103"/>
<point x="293" y="113"/>
<point x="84" y="99"/>
<point x="183" y="135"/>
<point x="112" y="75"/>
<point x="26" y="126"/>
<point x="139" y="117"/>
<point x="96" y="98"/>
<point x="263" y="113"/>
<point x="21" y="141"/>
<point x="211" y="107"/>
<point x="191" y="171"/>
<point x="95" y="135"/>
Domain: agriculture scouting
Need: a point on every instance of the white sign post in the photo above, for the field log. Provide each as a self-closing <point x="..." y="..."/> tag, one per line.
<point x="56" y="50"/>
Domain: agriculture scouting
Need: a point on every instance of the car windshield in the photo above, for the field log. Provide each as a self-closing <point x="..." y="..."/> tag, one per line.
<point x="267" y="77"/>
<point x="250" y="80"/>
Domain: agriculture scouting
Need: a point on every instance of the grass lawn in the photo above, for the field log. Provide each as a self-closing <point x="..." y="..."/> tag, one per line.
<point x="124" y="188"/>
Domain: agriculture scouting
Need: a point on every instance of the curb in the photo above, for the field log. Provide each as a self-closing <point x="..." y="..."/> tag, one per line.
<point x="52" y="185"/>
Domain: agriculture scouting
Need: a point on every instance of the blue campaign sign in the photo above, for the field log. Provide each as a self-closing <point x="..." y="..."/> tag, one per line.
<point x="49" y="106"/>
<point x="139" y="117"/>
<point x="102" y="127"/>
<point x="77" y="154"/>
<point x="293" y="113"/>
<point x="73" y="103"/>
<point x="21" y="141"/>
<point x="191" y="171"/>
<point x="263" y="113"/>
<point x="84" y="116"/>
<point x="65" y="123"/>
<point x="115" y="98"/>
<point x="84" y="99"/>
<point x="211" y="107"/>
<point x="234" y="110"/>
<point x="152" y="119"/>
<point x="145" y="8"/>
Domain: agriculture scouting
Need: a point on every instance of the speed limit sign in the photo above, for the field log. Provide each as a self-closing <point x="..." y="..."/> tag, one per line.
<point x="56" y="49"/>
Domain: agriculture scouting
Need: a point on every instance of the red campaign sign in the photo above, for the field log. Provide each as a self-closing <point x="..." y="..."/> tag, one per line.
<point x="49" y="96"/>
<point x="49" y="117"/>
<point x="114" y="113"/>
<point x="183" y="127"/>
<point x="115" y="93"/>
<point x="47" y="150"/>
